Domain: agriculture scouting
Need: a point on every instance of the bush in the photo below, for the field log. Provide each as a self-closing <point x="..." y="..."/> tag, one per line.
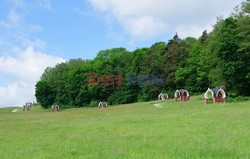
<point x="93" y="104"/>
<point x="65" y="106"/>
<point x="44" y="94"/>
<point x="237" y="99"/>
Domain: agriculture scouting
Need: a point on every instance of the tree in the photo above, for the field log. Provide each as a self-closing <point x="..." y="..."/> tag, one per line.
<point x="218" y="58"/>
<point x="203" y="38"/>
<point x="173" y="57"/>
<point x="44" y="94"/>
<point x="234" y="55"/>
<point x="153" y="65"/>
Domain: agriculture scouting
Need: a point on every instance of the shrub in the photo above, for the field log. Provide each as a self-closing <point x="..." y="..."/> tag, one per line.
<point x="93" y="104"/>
<point x="237" y="99"/>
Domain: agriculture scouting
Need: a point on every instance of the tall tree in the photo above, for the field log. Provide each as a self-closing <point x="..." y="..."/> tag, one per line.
<point x="173" y="58"/>
<point x="234" y="56"/>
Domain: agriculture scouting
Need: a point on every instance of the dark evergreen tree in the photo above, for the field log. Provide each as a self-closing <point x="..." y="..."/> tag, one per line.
<point x="173" y="58"/>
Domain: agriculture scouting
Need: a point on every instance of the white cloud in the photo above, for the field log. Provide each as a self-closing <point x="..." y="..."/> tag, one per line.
<point x="46" y="4"/>
<point x="18" y="3"/>
<point x="27" y="67"/>
<point x="16" y="94"/>
<point x="37" y="43"/>
<point x="13" y="17"/>
<point x="145" y="25"/>
<point x="15" y="32"/>
<point x="192" y="30"/>
<point x="149" y="18"/>
<point x="21" y="65"/>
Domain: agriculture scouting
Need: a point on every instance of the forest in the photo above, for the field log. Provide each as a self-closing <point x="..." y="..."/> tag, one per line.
<point x="219" y="58"/>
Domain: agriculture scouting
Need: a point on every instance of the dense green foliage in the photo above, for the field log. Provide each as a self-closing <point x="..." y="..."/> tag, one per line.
<point x="140" y="130"/>
<point x="216" y="59"/>
<point x="45" y="94"/>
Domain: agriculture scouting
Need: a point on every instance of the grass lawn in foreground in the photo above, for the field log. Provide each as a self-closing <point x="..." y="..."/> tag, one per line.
<point x="140" y="130"/>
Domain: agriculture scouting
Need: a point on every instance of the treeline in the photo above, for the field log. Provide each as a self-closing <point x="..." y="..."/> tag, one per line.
<point x="219" y="58"/>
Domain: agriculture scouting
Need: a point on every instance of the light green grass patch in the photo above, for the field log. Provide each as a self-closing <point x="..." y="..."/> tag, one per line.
<point x="178" y="130"/>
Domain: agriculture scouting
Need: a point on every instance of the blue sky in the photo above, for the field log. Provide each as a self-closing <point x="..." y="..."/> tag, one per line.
<point x="72" y="29"/>
<point x="40" y="33"/>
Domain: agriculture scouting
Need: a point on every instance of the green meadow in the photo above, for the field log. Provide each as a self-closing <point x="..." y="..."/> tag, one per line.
<point x="141" y="130"/>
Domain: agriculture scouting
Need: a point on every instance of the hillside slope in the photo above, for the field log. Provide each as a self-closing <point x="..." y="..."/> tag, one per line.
<point x="141" y="130"/>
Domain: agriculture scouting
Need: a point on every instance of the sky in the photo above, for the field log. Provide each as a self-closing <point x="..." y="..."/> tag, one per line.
<point x="41" y="33"/>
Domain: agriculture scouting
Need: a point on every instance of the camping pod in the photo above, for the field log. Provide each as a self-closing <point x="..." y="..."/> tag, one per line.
<point x="218" y="95"/>
<point x="181" y="95"/>
<point x="102" y="105"/>
<point x="55" y="108"/>
<point x="162" y="96"/>
<point x="26" y="107"/>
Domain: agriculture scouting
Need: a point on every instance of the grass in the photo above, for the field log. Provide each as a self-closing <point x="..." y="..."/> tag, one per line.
<point x="178" y="130"/>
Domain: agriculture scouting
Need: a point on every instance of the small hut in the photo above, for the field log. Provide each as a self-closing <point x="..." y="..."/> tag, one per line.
<point x="29" y="104"/>
<point x="182" y="95"/>
<point x="218" y="95"/>
<point x="102" y="105"/>
<point x="55" y="108"/>
<point x="26" y="107"/>
<point x="162" y="96"/>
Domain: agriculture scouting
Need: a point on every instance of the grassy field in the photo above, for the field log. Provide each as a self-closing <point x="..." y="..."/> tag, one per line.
<point x="178" y="130"/>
